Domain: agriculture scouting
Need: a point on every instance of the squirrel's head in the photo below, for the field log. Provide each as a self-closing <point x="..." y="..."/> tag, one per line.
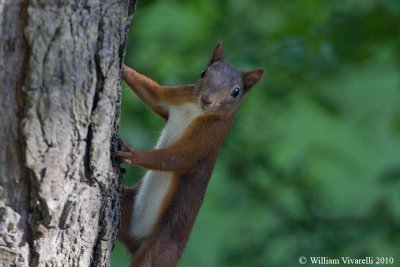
<point x="221" y="87"/>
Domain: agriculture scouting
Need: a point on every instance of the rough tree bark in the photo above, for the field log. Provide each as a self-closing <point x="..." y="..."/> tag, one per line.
<point x="59" y="114"/>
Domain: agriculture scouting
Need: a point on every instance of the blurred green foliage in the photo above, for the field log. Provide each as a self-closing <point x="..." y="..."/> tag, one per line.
<point x="311" y="166"/>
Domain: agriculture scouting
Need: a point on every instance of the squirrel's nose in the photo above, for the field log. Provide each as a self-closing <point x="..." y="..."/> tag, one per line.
<point x="206" y="100"/>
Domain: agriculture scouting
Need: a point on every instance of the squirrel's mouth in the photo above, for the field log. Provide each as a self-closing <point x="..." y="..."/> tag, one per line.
<point x="210" y="109"/>
<point x="208" y="105"/>
<point x="206" y="108"/>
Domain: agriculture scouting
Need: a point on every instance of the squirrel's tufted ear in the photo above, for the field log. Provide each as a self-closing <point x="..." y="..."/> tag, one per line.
<point x="251" y="78"/>
<point x="218" y="54"/>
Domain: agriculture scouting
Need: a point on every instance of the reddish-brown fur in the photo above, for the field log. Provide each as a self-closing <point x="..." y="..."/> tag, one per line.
<point x="191" y="158"/>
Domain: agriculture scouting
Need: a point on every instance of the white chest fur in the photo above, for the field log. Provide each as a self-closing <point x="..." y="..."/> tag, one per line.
<point x="155" y="184"/>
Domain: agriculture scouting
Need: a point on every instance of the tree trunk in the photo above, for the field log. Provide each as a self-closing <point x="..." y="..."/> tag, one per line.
<point x="59" y="113"/>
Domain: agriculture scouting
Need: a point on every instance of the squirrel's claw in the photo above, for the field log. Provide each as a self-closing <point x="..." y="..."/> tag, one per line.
<point x="127" y="147"/>
<point x="125" y="156"/>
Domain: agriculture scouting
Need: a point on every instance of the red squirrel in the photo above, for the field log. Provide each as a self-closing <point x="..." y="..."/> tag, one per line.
<point x="158" y="214"/>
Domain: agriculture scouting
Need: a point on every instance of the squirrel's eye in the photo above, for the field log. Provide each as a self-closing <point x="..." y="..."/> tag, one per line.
<point x="203" y="73"/>
<point x="235" y="92"/>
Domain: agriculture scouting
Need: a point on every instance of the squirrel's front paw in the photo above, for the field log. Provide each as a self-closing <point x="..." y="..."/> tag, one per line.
<point x="126" y="153"/>
<point x="125" y="157"/>
<point x="127" y="72"/>
<point x="124" y="70"/>
<point x="127" y="147"/>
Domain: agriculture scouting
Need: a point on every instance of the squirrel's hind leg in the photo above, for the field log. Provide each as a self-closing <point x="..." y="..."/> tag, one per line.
<point x="127" y="204"/>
